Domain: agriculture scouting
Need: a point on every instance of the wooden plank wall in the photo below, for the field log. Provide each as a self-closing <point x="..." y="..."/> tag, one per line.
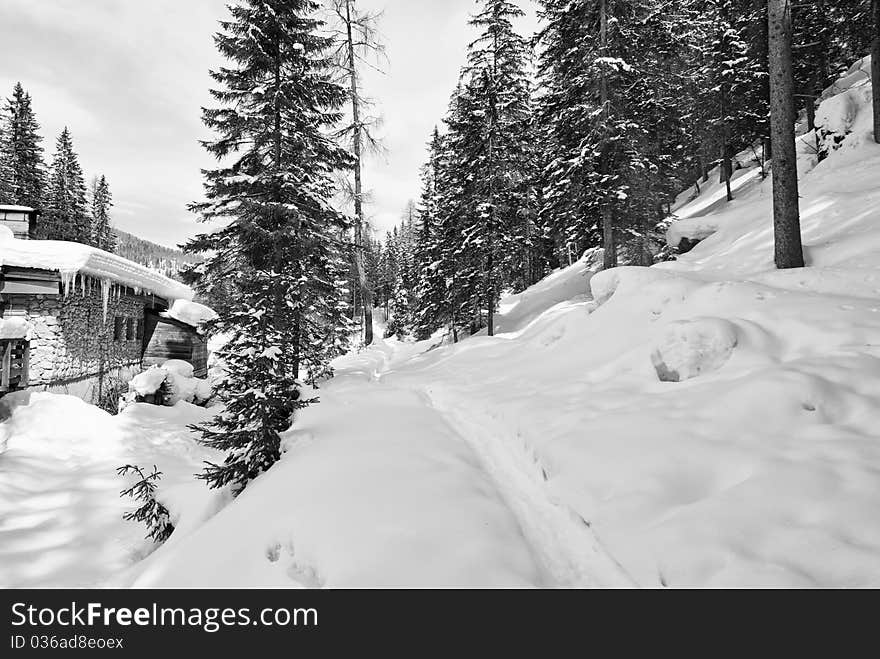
<point x="166" y="339"/>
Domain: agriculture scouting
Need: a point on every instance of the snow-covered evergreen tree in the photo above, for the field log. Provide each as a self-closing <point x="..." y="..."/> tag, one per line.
<point x="22" y="170"/>
<point x="102" y="202"/>
<point x="66" y="214"/>
<point x="279" y="249"/>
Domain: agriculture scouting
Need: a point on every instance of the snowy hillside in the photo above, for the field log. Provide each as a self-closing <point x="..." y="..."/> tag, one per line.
<point x="706" y="422"/>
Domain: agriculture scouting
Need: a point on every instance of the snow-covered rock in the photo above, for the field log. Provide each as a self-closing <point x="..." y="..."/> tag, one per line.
<point x="691" y="347"/>
<point x="176" y="376"/>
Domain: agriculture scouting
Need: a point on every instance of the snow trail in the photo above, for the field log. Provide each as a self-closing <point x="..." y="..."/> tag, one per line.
<point x="563" y="543"/>
<point x="562" y="540"/>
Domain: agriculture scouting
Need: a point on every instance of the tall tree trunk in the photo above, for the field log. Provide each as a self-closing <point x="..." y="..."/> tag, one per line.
<point x="724" y="91"/>
<point x="875" y="70"/>
<point x="608" y="243"/>
<point x="786" y="212"/>
<point x="493" y="125"/>
<point x="358" y="185"/>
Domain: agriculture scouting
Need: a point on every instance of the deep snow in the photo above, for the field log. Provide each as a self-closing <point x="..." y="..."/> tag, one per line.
<point x="706" y="422"/>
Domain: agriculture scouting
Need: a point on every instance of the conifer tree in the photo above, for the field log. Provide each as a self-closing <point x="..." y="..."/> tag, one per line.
<point x="279" y="250"/>
<point x="66" y="215"/>
<point x="6" y="189"/>
<point x="23" y="172"/>
<point x="102" y="201"/>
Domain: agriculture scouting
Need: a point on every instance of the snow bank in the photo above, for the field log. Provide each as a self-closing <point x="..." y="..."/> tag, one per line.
<point x="59" y="492"/>
<point x="191" y="313"/>
<point x="71" y="259"/>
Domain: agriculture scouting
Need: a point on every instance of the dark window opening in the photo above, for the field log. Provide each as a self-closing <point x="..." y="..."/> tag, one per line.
<point x="139" y="331"/>
<point x="15" y="356"/>
<point x="129" y="329"/>
<point x="118" y="328"/>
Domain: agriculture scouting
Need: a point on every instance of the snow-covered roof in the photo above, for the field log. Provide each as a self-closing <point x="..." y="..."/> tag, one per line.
<point x="70" y="259"/>
<point x="16" y="209"/>
<point x="191" y="313"/>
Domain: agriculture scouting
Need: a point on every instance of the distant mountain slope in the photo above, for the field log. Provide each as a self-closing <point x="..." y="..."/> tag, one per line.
<point x="168" y="260"/>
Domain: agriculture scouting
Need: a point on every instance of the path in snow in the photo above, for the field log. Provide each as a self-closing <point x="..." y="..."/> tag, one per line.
<point x="567" y="550"/>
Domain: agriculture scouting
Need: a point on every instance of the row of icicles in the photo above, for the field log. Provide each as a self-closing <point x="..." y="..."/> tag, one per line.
<point x="110" y="290"/>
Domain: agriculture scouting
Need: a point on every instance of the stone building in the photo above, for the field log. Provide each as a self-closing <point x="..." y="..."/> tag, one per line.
<point x="81" y="321"/>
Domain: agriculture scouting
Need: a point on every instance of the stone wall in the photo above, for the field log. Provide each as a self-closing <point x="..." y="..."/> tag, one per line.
<point x="73" y="349"/>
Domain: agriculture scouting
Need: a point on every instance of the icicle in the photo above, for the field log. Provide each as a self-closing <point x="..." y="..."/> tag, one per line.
<point x="105" y="295"/>
<point x="66" y="278"/>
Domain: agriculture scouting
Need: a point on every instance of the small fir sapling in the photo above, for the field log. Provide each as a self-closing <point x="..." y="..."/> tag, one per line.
<point x="152" y="513"/>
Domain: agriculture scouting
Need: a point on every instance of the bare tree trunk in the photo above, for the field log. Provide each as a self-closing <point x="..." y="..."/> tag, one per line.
<point x="358" y="185"/>
<point x="490" y="266"/>
<point x="724" y="91"/>
<point x="875" y="70"/>
<point x="786" y="212"/>
<point x="610" y="247"/>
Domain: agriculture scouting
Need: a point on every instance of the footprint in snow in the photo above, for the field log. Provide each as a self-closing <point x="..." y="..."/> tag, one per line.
<point x="296" y="570"/>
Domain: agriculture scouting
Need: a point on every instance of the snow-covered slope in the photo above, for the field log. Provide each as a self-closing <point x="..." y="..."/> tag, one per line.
<point x="707" y="422"/>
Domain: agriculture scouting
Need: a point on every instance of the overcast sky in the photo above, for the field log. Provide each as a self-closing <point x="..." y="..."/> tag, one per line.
<point x="129" y="79"/>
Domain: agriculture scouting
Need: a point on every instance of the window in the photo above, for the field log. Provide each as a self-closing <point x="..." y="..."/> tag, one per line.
<point x="129" y="329"/>
<point x="139" y="331"/>
<point x="15" y="355"/>
<point x="118" y="328"/>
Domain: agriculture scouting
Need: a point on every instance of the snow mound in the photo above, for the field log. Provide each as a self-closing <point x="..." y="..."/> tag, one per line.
<point x="191" y="313"/>
<point x="180" y="385"/>
<point x="15" y="327"/>
<point x="6" y="234"/>
<point x="148" y="382"/>
<point x="692" y="347"/>
<point x="179" y="367"/>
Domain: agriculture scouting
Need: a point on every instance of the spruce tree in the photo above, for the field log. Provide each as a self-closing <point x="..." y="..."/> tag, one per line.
<point x="6" y="189"/>
<point x="66" y="214"/>
<point x="279" y="249"/>
<point x="102" y="235"/>
<point x="23" y="172"/>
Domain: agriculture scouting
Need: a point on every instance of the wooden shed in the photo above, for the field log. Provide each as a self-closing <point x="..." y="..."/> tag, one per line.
<point x="167" y="338"/>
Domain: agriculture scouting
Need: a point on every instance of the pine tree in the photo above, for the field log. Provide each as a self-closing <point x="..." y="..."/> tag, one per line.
<point x="279" y="251"/>
<point x="21" y="155"/>
<point x="66" y="216"/>
<point x="501" y="95"/>
<point x="6" y="188"/>
<point x="102" y="235"/>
